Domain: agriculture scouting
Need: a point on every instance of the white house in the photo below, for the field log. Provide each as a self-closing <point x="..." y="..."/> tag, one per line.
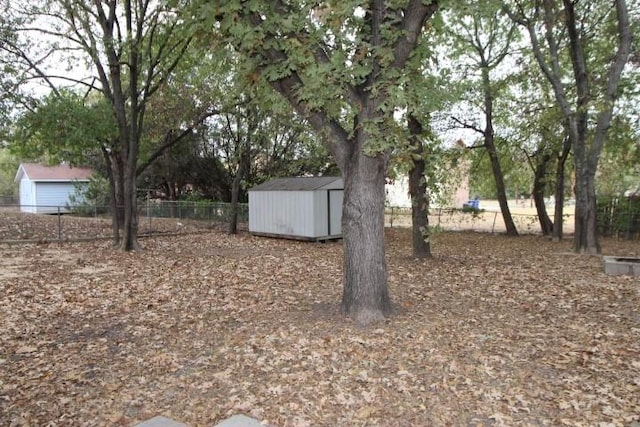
<point x="451" y="194"/>
<point x="303" y="208"/>
<point x="46" y="189"/>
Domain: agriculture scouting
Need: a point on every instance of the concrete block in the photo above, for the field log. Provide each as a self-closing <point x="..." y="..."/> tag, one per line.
<point x="622" y="265"/>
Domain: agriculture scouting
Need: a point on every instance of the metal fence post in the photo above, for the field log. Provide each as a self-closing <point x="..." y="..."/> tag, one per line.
<point x="627" y="234"/>
<point x="493" y="227"/>
<point x="148" y="217"/>
<point x="59" y="224"/>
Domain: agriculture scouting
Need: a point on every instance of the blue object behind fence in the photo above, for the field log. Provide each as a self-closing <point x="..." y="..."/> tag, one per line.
<point x="475" y="204"/>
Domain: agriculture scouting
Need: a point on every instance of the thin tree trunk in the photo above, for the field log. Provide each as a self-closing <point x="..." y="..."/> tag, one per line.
<point x="539" y="183"/>
<point x="500" y="188"/>
<point x="418" y="192"/>
<point x="489" y="143"/>
<point x="115" y="227"/>
<point x="558" y="220"/>
<point x="173" y="205"/>
<point x="558" y="214"/>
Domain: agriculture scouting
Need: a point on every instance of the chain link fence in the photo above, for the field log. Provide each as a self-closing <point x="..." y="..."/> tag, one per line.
<point x="86" y="222"/>
<point x="470" y="219"/>
<point x="619" y="217"/>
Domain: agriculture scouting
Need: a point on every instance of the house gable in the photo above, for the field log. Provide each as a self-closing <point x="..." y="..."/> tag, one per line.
<point x="47" y="189"/>
<point x="61" y="173"/>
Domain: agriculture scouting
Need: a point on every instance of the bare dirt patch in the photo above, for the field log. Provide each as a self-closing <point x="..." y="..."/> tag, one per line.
<point x="494" y="331"/>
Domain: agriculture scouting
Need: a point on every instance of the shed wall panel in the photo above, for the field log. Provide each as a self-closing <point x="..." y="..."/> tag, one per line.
<point x="51" y="195"/>
<point x="287" y="213"/>
<point x="27" y="196"/>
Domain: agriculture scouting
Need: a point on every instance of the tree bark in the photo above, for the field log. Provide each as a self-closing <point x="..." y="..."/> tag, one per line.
<point x="586" y="238"/>
<point x="418" y="192"/>
<point x="129" y="240"/>
<point x="365" y="295"/>
<point x="112" y="196"/>
<point x="489" y="143"/>
<point x="539" y="183"/>
<point x="558" y="220"/>
<point x="115" y="226"/>
<point x="243" y="167"/>
<point x="116" y="197"/>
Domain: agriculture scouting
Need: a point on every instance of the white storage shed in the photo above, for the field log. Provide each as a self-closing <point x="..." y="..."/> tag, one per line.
<point x="303" y="208"/>
<point x="46" y="189"/>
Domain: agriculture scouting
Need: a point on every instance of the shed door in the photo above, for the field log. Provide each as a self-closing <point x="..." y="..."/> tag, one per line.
<point x="335" y="212"/>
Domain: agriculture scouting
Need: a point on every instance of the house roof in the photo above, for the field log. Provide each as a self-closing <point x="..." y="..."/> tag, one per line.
<point x="300" y="184"/>
<point x="37" y="172"/>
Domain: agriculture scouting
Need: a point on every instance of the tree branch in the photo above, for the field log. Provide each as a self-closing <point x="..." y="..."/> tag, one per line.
<point x="467" y="125"/>
<point x="170" y="140"/>
<point x="625" y="40"/>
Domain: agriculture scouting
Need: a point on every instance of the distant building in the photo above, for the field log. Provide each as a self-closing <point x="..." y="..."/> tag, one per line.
<point x="453" y="193"/>
<point x="46" y="189"/>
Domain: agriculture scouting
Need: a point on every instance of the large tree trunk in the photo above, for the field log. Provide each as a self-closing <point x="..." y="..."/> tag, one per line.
<point x="586" y="159"/>
<point x="418" y="192"/>
<point x="243" y="167"/>
<point x="119" y="200"/>
<point x="235" y="193"/>
<point x="586" y="226"/>
<point x="113" y="199"/>
<point x="539" y="183"/>
<point x="115" y="226"/>
<point x="489" y="143"/>
<point x="129" y="240"/>
<point x="365" y="296"/>
<point x="115" y="174"/>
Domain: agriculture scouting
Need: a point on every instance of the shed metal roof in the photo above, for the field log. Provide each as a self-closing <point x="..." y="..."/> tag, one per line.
<point x="37" y="172"/>
<point x="300" y="184"/>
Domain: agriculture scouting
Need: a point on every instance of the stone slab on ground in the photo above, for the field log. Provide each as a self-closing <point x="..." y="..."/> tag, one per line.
<point x="233" y="421"/>
<point x="161" y="421"/>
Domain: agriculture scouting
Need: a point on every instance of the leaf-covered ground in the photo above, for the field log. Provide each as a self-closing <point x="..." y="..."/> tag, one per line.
<point x="494" y="331"/>
<point x="18" y="226"/>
